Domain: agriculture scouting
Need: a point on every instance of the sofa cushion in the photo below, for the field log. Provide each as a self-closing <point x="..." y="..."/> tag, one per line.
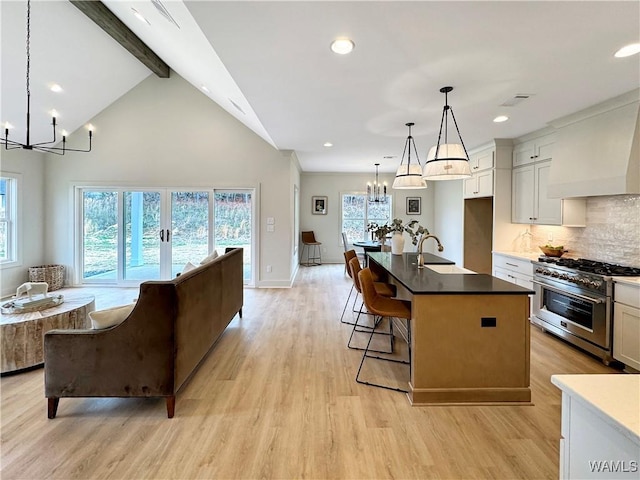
<point x="110" y="317"/>
<point x="209" y="258"/>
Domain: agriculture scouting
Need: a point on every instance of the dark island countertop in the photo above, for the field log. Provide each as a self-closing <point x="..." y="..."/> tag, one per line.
<point x="422" y="281"/>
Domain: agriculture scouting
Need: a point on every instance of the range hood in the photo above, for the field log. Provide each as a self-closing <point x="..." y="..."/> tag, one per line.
<point x="597" y="150"/>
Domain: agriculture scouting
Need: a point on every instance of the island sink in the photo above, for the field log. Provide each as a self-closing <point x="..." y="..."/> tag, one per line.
<point x="448" y="269"/>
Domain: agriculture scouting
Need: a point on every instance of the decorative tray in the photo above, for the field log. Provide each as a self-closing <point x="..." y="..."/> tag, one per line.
<point x="16" y="307"/>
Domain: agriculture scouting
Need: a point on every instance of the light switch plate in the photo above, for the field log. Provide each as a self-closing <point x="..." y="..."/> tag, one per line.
<point x="271" y="221"/>
<point x="270" y="228"/>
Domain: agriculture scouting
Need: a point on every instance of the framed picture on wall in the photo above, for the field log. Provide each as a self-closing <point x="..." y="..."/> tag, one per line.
<point x="319" y="205"/>
<point x="414" y="205"/>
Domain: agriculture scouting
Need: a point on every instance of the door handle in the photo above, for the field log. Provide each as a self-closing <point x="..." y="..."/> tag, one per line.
<point x="161" y="235"/>
<point x="168" y="234"/>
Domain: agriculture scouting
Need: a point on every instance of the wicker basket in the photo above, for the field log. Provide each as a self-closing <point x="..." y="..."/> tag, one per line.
<point x="52" y="274"/>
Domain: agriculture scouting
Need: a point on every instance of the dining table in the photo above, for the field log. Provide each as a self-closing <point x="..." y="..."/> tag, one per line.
<point x="368" y="246"/>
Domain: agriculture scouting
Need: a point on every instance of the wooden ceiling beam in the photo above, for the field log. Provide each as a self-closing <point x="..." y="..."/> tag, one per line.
<point x="105" y="19"/>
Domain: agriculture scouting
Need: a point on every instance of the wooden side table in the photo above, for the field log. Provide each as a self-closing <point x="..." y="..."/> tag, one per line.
<point x="22" y="334"/>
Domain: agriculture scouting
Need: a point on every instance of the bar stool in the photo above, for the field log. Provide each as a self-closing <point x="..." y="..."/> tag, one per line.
<point x="314" y="256"/>
<point x="383" y="307"/>
<point x="382" y="289"/>
<point x="348" y="255"/>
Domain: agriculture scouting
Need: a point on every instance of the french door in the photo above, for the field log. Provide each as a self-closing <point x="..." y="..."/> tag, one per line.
<point x="129" y="236"/>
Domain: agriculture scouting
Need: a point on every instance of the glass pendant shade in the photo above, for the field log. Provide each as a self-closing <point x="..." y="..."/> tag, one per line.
<point x="452" y="163"/>
<point x="409" y="176"/>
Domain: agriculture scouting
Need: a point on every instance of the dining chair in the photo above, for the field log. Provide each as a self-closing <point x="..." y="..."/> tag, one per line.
<point x="383" y="307"/>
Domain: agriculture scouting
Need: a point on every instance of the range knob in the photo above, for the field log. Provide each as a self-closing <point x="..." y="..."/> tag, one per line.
<point x="564" y="276"/>
<point x="555" y="274"/>
<point x="596" y="284"/>
<point x="539" y="270"/>
<point x="584" y="281"/>
<point x="546" y="272"/>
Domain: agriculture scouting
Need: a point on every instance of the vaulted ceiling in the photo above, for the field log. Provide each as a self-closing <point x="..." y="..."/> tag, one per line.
<point x="269" y="65"/>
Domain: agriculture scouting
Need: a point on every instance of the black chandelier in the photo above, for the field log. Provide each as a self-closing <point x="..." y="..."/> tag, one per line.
<point x="377" y="193"/>
<point x="42" y="146"/>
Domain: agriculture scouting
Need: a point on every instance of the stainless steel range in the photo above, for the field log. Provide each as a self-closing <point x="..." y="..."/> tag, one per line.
<point x="573" y="301"/>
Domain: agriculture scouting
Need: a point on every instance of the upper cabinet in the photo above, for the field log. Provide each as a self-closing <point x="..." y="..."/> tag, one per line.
<point x="536" y="150"/>
<point x="482" y="160"/>
<point x="530" y="202"/>
<point x="480" y="184"/>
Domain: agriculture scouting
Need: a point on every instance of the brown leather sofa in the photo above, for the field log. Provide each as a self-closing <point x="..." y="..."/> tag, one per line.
<point x="155" y="350"/>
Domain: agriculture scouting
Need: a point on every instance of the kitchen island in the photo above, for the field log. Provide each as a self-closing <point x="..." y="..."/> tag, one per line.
<point x="469" y="332"/>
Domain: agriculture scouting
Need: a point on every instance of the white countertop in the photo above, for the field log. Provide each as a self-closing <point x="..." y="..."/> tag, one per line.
<point x="519" y="255"/>
<point x="630" y="280"/>
<point x="613" y="397"/>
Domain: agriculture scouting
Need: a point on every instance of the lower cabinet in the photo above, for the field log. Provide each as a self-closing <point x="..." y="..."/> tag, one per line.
<point x="599" y="421"/>
<point x="626" y="324"/>
<point x="518" y="271"/>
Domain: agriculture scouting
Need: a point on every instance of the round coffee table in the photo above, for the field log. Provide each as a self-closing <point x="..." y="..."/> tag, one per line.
<point x="22" y="334"/>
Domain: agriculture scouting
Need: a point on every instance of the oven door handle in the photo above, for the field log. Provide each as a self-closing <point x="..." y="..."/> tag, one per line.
<point x="577" y="295"/>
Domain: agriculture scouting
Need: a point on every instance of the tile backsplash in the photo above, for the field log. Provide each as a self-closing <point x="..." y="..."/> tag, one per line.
<point x="612" y="233"/>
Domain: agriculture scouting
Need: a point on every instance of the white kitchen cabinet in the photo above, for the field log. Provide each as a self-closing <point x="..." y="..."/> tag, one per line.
<point x="482" y="160"/>
<point x="536" y="150"/>
<point x="480" y="184"/>
<point x="518" y="271"/>
<point x="626" y="324"/>
<point x="530" y="203"/>
<point x="600" y="432"/>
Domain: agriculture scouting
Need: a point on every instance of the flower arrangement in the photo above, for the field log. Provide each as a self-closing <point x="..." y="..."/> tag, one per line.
<point x="412" y="228"/>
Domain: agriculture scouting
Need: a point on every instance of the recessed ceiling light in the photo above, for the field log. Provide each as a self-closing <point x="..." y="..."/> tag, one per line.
<point x="54" y="113"/>
<point x="205" y="89"/>
<point x="500" y="119"/>
<point x="628" y="50"/>
<point x="56" y="88"/>
<point x="64" y="133"/>
<point x="342" y="46"/>
<point x="139" y="16"/>
<point x="8" y="126"/>
<point x="328" y="144"/>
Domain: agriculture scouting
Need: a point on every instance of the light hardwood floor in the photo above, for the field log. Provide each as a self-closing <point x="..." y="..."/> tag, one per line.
<point x="276" y="398"/>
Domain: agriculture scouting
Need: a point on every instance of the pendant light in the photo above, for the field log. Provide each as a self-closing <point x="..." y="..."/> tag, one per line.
<point x="374" y="193"/>
<point x="409" y="176"/>
<point x="447" y="161"/>
<point x="42" y="146"/>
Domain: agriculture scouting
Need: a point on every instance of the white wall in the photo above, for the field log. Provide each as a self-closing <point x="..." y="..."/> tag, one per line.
<point x="327" y="227"/>
<point x="165" y="133"/>
<point x="30" y="167"/>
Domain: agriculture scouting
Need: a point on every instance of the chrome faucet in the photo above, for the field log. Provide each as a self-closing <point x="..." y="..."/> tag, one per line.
<point x="420" y="256"/>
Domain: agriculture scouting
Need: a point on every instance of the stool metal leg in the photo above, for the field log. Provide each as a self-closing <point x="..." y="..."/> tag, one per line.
<point x="365" y="355"/>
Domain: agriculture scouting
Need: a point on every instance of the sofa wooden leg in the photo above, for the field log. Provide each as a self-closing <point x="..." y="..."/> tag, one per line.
<point x="52" y="406"/>
<point x="240" y="313"/>
<point x="171" y="406"/>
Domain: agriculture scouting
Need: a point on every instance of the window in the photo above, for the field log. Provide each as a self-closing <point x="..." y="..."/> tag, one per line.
<point x="8" y="217"/>
<point x="357" y="213"/>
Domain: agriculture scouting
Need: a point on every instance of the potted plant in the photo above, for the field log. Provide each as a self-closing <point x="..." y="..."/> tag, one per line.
<point x="397" y="228"/>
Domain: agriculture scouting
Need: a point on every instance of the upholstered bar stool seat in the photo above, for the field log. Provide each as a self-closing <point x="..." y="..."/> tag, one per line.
<point x="383" y="307"/>
<point x="382" y="289"/>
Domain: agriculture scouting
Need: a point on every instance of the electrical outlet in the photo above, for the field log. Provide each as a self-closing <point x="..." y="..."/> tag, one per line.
<point x="550" y="236"/>
<point x="268" y="268"/>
